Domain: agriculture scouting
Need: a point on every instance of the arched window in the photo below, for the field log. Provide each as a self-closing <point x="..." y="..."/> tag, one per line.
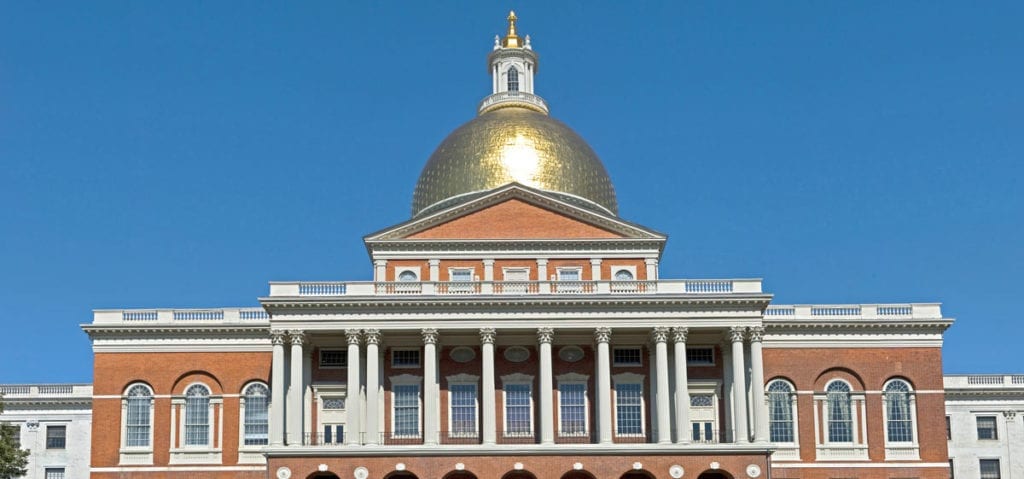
<point x="407" y="275"/>
<point x="780" y="411"/>
<point x="899" y="417"/>
<point x="255" y="400"/>
<point x="623" y="275"/>
<point x="513" y="79"/>
<point x="840" y="418"/>
<point x="138" y="417"/>
<point x="197" y="415"/>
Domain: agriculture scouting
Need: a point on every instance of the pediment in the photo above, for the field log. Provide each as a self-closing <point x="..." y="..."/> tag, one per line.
<point x="515" y="212"/>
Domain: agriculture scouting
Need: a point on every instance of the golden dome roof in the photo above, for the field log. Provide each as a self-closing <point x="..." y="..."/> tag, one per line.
<point x="513" y="144"/>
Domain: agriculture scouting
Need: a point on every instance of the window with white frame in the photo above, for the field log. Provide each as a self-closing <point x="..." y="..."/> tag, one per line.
<point x="138" y="417"/>
<point x="840" y="412"/>
<point x="405" y="357"/>
<point x="334" y="433"/>
<point x="463" y="398"/>
<point x="987" y="427"/>
<point x="700" y="356"/>
<point x="333" y="358"/>
<point x="569" y="274"/>
<point x="989" y="469"/>
<point x="460" y="274"/>
<point x="408" y="275"/>
<point x="629" y="410"/>
<point x="255" y="406"/>
<point x="572" y="405"/>
<point x="406" y="410"/>
<point x="518" y="408"/>
<point x="624" y="275"/>
<point x="56" y="436"/>
<point x="513" y="79"/>
<point x="899" y="412"/>
<point x="627" y="357"/>
<point x="334" y="403"/>
<point x="781" y="411"/>
<point x="54" y="473"/>
<point x="197" y="415"/>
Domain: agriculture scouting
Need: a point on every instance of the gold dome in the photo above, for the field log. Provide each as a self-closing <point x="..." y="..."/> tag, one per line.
<point x="514" y="144"/>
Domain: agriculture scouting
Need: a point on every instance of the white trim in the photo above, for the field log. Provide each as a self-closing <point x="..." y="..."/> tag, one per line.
<point x="859" y="465"/>
<point x="901" y="450"/>
<point x="183" y="468"/>
<point x="793" y="413"/>
<point x="417" y="270"/>
<point x="138" y="454"/>
<point x="244" y="451"/>
<point x="615" y="268"/>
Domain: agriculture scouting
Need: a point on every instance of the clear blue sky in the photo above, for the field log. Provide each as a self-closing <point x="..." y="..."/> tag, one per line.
<point x="182" y="154"/>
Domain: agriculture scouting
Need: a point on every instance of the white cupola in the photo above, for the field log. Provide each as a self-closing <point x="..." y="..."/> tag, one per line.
<point x="513" y="64"/>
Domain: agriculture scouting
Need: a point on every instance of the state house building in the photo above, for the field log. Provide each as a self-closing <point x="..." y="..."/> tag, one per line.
<point x="518" y="328"/>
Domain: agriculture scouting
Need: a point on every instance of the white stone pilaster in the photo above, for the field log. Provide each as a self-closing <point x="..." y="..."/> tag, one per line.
<point x="595" y="269"/>
<point x="660" y="338"/>
<point x="371" y="426"/>
<point x="488" y="417"/>
<point x="682" y="397"/>
<point x="354" y="421"/>
<point x="547" y="418"/>
<point x="652" y="269"/>
<point x="277" y="389"/>
<point x="380" y="270"/>
<point x="604" y="385"/>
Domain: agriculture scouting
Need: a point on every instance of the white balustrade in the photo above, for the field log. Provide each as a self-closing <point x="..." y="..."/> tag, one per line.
<point x="512" y="97"/>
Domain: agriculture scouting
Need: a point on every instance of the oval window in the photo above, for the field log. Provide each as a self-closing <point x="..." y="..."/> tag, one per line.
<point x="407" y="276"/>
<point x="462" y="354"/>
<point x="570" y="354"/>
<point x="623" y="275"/>
<point x="517" y="354"/>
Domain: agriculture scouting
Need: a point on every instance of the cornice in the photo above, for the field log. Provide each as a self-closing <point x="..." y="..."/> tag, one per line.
<point x="797" y="325"/>
<point x="526" y="246"/>
<point x="175" y="330"/>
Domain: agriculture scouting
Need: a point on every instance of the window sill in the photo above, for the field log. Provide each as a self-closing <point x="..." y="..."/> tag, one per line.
<point x="842" y="452"/>
<point x="251" y="455"/>
<point x="196" y="456"/>
<point x="786" y="452"/>
<point x="136" y="457"/>
<point x="909" y="452"/>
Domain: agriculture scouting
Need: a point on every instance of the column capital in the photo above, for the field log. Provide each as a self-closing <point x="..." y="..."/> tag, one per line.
<point x="353" y="336"/>
<point x="487" y="335"/>
<point x="756" y="334"/>
<point x="659" y="334"/>
<point x="650" y="261"/>
<point x="489" y="262"/>
<point x="1009" y="415"/>
<point x="429" y="335"/>
<point x="278" y="337"/>
<point x="737" y="333"/>
<point x="545" y="335"/>
<point x="380" y="262"/>
<point x="542" y="261"/>
<point x="603" y="335"/>
<point x="595" y="261"/>
<point x="372" y="336"/>
<point x="297" y="337"/>
<point x="679" y="334"/>
<point x="434" y="262"/>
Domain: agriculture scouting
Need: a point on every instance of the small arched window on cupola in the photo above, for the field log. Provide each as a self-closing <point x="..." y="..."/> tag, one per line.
<point x="513" y="79"/>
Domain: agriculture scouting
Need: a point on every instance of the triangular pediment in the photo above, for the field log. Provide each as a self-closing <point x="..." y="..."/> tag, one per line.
<point x="515" y="212"/>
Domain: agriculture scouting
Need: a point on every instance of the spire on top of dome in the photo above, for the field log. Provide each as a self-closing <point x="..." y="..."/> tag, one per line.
<point x="511" y="39"/>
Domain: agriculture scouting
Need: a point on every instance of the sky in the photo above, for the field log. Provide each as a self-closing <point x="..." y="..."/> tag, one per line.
<point x="183" y="154"/>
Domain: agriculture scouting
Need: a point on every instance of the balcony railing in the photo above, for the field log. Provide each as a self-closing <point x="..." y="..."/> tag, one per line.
<point x="189" y="316"/>
<point x="512" y="98"/>
<point x="506" y="437"/>
<point x="45" y="390"/>
<point x="512" y="288"/>
<point x="853" y="311"/>
<point x="981" y="381"/>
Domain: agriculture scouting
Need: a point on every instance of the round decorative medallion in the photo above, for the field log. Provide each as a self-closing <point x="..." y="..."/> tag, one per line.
<point x="400" y="466"/>
<point x="517" y="354"/>
<point x="637" y="466"/>
<point x="284" y="473"/>
<point x="361" y="472"/>
<point x="570" y="354"/>
<point x="715" y="465"/>
<point x="578" y="466"/>
<point x="322" y="468"/>
<point x="753" y="470"/>
<point x="676" y="471"/>
<point x="462" y="354"/>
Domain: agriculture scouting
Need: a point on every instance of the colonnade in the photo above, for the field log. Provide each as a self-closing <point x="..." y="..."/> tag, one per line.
<point x="286" y="424"/>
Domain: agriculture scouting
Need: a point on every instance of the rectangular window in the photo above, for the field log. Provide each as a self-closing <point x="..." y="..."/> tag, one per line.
<point x="700" y="356"/>
<point x="463" y="397"/>
<point x="407" y="410"/>
<point x="572" y="412"/>
<point x="333" y="358"/>
<point x="461" y="274"/>
<point x="15" y="433"/>
<point x="703" y="432"/>
<point x="629" y="409"/>
<point x="405" y="358"/>
<point x="569" y="274"/>
<point x="56" y="437"/>
<point x="626" y="357"/>
<point x="518" y="410"/>
<point x="949" y="430"/>
<point x="987" y="427"/>
<point x="328" y="434"/>
<point x="54" y="473"/>
<point x="989" y="468"/>
<point x="334" y="434"/>
<point x="256" y="425"/>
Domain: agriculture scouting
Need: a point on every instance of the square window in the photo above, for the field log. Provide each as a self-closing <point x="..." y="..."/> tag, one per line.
<point x="333" y="358"/>
<point x="56" y="438"/>
<point x="987" y="427"/>
<point x="626" y="357"/>
<point x="989" y="468"/>
<point x="700" y="356"/>
<point x="405" y="358"/>
<point x="54" y="473"/>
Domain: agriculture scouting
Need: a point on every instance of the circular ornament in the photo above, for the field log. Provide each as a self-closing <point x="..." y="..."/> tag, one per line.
<point x="517" y="354"/>
<point x="753" y="470"/>
<point x="676" y="471"/>
<point x="570" y="354"/>
<point x="462" y="354"/>
<point x="361" y="472"/>
<point x="284" y="473"/>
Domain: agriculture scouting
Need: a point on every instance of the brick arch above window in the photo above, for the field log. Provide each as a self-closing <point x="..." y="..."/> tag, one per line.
<point x="847" y="375"/>
<point x="192" y="377"/>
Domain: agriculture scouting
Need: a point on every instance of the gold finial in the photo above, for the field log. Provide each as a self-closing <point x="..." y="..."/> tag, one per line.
<point x="511" y="40"/>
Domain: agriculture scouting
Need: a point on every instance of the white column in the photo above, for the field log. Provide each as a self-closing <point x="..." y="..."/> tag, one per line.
<point x="660" y="337"/>
<point x="595" y="269"/>
<point x="759" y="406"/>
<point x="488" y="286"/>
<point x="729" y="432"/>
<point x="295" y="390"/>
<point x="736" y="335"/>
<point x="682" y="396"/>
<point x="542" y="276"/>
<point x="370" y="424"/>
<point x="604" y="385"/>
<point x="431" y="392"/>
<point x="380" y="270"/>
<point x="277" y="388"/>
<point x="547" y="418"/>
<point x="435" y="270"/>
<point x="353" y="423"/>
<point x="652" y="269"/>
<point x="488" y="417"/>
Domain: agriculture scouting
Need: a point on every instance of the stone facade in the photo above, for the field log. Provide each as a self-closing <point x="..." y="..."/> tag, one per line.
<point x="54" y="423"/>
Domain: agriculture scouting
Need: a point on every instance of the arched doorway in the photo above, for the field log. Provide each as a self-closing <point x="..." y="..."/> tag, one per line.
<point x="323" y="475"/>
<point x="519" y="475"/>
<point x="459" y="475"/>
<point x="578" y="475"/>
<point x="714" y="474"/>
<point x="637" y="475"/>
<point x="401" y="475"/>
